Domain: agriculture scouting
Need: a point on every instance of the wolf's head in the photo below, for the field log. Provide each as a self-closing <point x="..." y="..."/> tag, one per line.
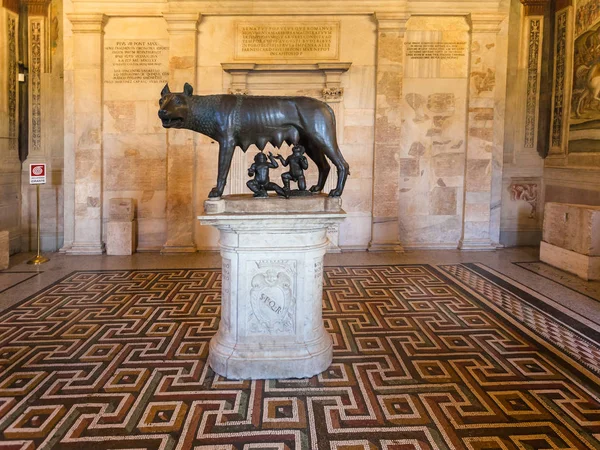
<point x="174" y="108"/>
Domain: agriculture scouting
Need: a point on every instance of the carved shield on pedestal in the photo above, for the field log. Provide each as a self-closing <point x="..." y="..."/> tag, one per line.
<point x="272" y="302"/>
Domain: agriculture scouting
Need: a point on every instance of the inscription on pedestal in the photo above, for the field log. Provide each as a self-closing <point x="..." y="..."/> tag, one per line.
<point x="303" y="40"/>
<point x="272" y="301"/>
<point x="136" y="61"/>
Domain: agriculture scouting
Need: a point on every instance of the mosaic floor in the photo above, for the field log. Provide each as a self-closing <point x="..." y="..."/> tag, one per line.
<point x="446" y="357"/>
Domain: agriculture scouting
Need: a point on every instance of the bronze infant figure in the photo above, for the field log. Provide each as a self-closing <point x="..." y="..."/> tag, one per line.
<point x="243" y="120"/>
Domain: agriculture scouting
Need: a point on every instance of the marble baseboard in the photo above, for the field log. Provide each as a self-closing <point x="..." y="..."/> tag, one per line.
<point x="85" y="248"/>
<point x="516" y="238"/>
<point x="586" y="267"/>
<point x="483" y="245"/>
<point x="178" y="249"/>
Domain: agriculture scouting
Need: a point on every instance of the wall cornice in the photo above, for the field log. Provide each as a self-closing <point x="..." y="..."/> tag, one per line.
<point x="287" y="7"/>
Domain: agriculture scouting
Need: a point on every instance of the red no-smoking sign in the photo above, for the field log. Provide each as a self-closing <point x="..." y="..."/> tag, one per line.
<point x="37" y="173"/>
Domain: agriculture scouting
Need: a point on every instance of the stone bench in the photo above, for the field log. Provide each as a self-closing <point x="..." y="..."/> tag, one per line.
<point x="571" y="239"/>
<point x="121" y="228"/>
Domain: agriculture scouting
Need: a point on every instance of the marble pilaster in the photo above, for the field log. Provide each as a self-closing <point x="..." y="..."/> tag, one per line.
<point x="183" y="33"/>
<point x="87" y="112"/>
<point x="388" y="122"/>
<point x="481" y="112"/>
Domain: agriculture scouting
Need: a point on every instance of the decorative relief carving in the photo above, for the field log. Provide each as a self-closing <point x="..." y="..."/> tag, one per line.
<point x="587" y="13"/>
<point x="225" y="294"/>
<point x="441" y="103"/>
<point x="532" y="82"/>
<point x="484" y="80"/>
<point x="12" y="84"/>
<point x="272" y="303"/>
<point x="527" y="192"/>
<point x="332" y="93"/>
<point x="36" y="85"/>
<point x="559" y="82"/>
<point x="318" y="305"/>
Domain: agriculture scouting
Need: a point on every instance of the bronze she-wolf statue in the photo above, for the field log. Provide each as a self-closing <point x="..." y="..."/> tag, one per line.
<point x="240" y="120"/>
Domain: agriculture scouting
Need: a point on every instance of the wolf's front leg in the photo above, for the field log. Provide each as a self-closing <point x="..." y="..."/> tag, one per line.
<point x="225" y="155"/>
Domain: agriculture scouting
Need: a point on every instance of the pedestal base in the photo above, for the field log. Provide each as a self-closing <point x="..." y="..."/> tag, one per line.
<point x="269" y="360"/>
<point x="584" y="266"/>
<point x="272" y="284"/>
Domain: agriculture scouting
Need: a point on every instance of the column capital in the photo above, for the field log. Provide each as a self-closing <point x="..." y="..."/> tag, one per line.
<point x="535" y="7"/>
<point x="392" y="21"/>
<point x="182" y="22"/>
<point x="486" y="23"/>
<point x="87" y="23"/>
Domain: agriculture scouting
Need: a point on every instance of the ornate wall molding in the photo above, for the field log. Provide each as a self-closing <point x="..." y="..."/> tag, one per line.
<point x="332" y="91"/>
<point x="12" y="83"/>
<point x="560" y="52"/>
<point x="35" y="80"/>
<point x="535" y="7"/>
<point x="531" y="105"/>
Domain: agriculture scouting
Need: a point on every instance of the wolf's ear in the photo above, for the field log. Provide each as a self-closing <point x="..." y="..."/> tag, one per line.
<point x="165" y="90"/>
<point x="188" y="89"/>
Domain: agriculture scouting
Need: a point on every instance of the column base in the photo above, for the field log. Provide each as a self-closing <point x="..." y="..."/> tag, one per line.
<point x="385" y="247"/>
<point x="85" y="248"/>
<point x="178" y="249"/>
<point x="477" y="245"/>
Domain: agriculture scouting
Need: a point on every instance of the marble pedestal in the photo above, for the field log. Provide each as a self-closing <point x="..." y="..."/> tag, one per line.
<point x="571" y="240"/>
<point x="271" y="314"/>
<point x="120" y="238"/>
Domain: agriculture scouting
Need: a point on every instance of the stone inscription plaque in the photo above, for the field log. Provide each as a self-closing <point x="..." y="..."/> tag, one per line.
<point x="136" y="61"/>
<point x="436" y="50"/>
<point x="301" y="40"/>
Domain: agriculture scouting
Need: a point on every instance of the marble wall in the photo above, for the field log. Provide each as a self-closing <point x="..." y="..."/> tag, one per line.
<point x="10" y="167"/>
<point x="417" y="91"/>
<point x="522" y="188"/>
<point x="46" y="123"/>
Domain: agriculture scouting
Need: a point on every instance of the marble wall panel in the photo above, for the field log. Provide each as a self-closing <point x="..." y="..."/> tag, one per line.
<point x="10" y="167"/>
<point x="433" y="161"/>
<point x="134" y="141"/>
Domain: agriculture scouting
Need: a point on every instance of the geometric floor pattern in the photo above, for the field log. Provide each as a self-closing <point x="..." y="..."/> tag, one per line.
<point x="425" y="357"/>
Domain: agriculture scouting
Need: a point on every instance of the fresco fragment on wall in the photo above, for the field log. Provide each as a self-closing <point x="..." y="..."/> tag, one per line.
<point x="585" y="107"/>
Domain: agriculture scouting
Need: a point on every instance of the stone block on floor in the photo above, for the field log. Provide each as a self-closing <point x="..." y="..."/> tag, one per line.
<point x="584" y="266"/>
<point x="573" y="227"/>
<point x="121" y="209"/>
<point x="4" y="249"/>
<point x="121" y="238"/>
<point x="571" y="239"/>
